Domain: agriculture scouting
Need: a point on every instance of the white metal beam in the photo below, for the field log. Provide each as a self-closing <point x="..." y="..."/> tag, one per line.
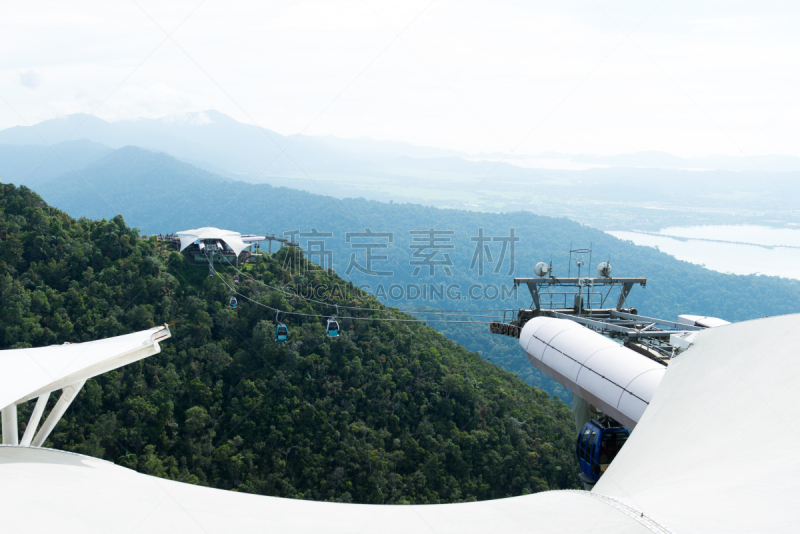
<point x="95" y="370"/>
<point x="68" y="394"/>
<point x="33" y="422"/>
<point x="26" y="374"/>
<point x="10" y="428"/>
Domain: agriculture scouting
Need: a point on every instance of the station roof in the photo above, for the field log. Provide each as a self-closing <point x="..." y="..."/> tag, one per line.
<point x="85" y="495"/>
<point x="232" y="239"/>
<point x="716" y="450"/>
<point x="27" y="373"/>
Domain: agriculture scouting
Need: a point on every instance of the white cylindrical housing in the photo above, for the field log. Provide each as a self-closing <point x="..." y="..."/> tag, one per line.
<point x="613" y="378"/>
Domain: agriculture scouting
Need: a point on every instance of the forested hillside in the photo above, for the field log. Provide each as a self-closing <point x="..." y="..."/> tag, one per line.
<point x="159" y="194"/>
<point x="389" y="412"/>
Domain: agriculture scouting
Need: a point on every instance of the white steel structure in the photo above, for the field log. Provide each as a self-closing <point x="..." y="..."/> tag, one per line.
<point x="27" y="374"/>
<point x="715" y="451"/>
<point x="232" y="239"/>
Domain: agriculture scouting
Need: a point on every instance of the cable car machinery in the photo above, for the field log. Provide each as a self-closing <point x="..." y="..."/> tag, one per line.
<point x="586" y="300"/>
<point x="210" y="251"/>
<point x="273" y="237"/>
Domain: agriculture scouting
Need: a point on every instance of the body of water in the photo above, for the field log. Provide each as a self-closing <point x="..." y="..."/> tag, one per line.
<point x="738" y="254"/>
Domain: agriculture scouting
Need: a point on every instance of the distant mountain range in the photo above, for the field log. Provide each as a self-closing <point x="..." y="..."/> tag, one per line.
<point x="215" y="141"/>
<point x="180" y="173"/>
<point x="644" y="190"/>
<point x="33" y="164"/>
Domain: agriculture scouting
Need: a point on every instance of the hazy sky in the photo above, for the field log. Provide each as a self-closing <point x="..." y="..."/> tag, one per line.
<point x="692" y="78"/>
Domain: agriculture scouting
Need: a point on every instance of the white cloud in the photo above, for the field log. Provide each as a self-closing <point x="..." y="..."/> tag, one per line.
<point x="151" y="102"/>
<point x="473" y="75"/>
<point x="30" y="78"/>
<point x="194" y="118"/>
<point x="730" y="24"/>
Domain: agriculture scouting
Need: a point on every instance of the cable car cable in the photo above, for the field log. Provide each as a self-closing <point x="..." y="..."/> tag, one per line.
<point x="385" y="310"/>
<point x="348" y="317"/>
<point x="381" y="310"/>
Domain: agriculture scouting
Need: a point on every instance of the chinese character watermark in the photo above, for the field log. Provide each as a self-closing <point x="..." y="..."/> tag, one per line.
<point x="315" y="247"/>
<point x="374" y="240"/>
<point x="484" y="253"/>
<point x="428" y="245"/>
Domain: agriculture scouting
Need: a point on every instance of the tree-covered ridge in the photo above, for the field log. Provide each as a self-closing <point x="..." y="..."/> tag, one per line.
<point x="180" y="197"/>
<point x="389" y="412"/>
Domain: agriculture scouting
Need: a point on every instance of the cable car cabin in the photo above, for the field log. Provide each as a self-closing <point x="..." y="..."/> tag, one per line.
<point x="236" y="279"/>
<point x="598" y="444"/>
<point x="281" y="332"/>
<point x="333" y="328"/>
<point x="233" y="303"/>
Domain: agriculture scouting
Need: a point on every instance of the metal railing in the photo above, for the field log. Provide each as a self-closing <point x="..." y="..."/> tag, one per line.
<point x="566" y="299"/>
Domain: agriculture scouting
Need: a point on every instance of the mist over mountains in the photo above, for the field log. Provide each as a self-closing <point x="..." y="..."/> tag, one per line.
<point x="37" y="163"/>
<point x="644" y="190"/>
<point x="213" y="141"/>
<point x="211" y="138"/>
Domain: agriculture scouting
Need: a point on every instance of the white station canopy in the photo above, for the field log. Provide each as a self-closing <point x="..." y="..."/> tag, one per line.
<point x="27" y="374"/>
<point x="232" y="239"/>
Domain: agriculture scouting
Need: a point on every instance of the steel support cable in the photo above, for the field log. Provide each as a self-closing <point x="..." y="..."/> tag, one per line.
<point x="381" y="310"/>
<point x="301" y="314"/>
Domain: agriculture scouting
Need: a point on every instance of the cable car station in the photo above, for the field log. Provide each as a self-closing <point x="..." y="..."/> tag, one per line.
<point x="581" y="332"/>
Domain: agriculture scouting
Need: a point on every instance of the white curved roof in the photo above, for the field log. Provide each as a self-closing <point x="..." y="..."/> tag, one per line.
<point x="716" y="451"/>
<point x="27" y="373"/>
<point x="85" y="496"/>
<point x="232" y="239"/>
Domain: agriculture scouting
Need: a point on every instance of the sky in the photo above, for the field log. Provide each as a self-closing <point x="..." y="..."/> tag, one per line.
<point x="523" y="77"/>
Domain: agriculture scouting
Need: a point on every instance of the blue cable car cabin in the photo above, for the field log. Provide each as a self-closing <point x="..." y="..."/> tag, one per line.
<point x="333" y="328"/>
<point x="232" y="304"/>
<point x="281" y="332"/>
<point x="598" y="444"/>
